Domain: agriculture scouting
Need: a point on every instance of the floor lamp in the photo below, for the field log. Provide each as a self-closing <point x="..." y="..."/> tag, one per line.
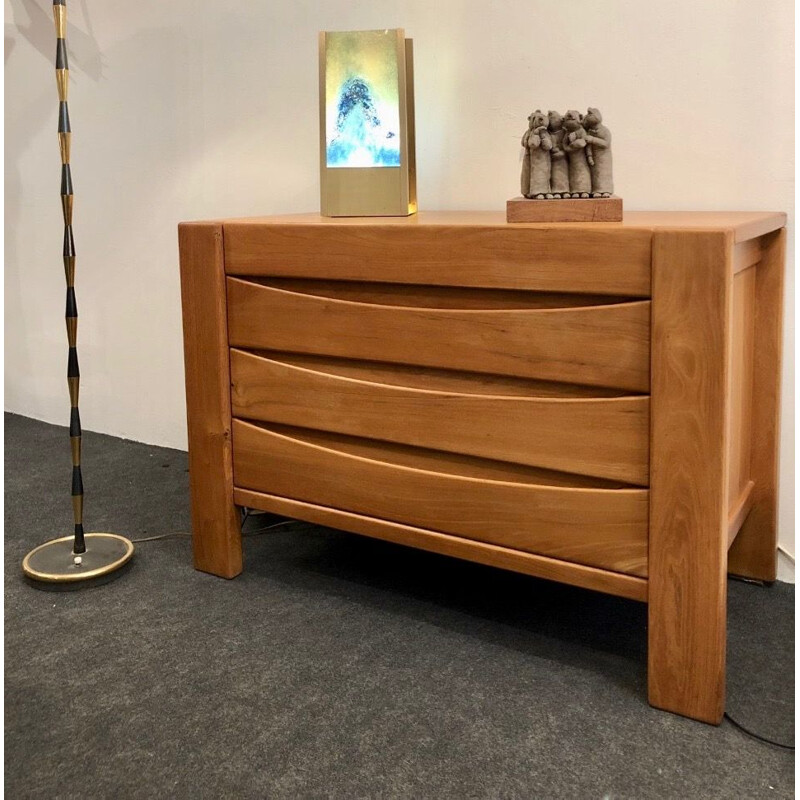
<point x="83" y="557"/>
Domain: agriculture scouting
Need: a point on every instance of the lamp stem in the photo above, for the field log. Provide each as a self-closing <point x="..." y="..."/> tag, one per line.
<point x="73" y="371"/>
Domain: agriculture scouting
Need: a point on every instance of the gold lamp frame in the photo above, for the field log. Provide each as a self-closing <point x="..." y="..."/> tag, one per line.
<point x="373" y="191"/>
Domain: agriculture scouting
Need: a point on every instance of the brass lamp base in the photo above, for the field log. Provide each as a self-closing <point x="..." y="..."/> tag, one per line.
<point x="53" y="563"/>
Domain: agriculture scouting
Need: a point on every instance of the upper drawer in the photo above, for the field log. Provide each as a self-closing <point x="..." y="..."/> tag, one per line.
<point x="604" y="261"/>
<point x="596" y="345"/>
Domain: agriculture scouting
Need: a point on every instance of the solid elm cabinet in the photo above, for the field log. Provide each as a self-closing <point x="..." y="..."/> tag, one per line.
<point x="595" y="404"/>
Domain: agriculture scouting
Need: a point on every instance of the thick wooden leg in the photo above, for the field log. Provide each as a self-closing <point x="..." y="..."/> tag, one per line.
<point x="216" y="528"/>
<point x="754" y="551"/>
<point x="691" y="311"/>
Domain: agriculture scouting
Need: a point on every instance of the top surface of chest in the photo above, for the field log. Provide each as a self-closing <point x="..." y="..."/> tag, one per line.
<point x="473" y="248"/>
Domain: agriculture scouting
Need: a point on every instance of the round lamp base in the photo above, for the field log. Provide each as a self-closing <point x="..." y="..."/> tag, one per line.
<point x="53" y="564"/>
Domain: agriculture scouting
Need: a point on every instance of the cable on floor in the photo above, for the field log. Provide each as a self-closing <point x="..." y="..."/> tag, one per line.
<point x="257" y="531"/>
<point x="253" y="532"/>
<point x="758" y="736"/>
<point x="750" y="581"/>
<point x="160" y="536"/>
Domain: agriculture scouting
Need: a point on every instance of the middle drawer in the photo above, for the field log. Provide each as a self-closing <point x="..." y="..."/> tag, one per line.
<point x="602" y="437"/>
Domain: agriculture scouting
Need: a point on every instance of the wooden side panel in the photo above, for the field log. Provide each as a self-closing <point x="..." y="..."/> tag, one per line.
<point x="739" y="511"/>
<point x="692" y="297"/>
<point x="604" y="528"/>
<point x="741" y="383"/>
<point x="596" y="345"/>
<point x="602" y="437"/>
<point x="215" y="523"/>
<point x="515" y="560"/>
<point x="754" y="552"/>
<point x="556" y="259"/>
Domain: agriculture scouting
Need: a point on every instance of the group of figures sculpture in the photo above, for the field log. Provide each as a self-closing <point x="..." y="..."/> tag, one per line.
<point x="567" y="156"/>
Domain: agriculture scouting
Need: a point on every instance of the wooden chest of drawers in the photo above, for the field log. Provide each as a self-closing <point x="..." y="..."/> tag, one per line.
<point x="593" y="404"/>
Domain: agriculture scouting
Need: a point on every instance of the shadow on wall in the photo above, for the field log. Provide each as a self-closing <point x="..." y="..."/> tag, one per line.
<point x="36" y="25"/>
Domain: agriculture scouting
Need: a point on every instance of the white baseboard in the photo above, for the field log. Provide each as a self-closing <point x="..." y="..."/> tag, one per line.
<point x="785" y="568"/>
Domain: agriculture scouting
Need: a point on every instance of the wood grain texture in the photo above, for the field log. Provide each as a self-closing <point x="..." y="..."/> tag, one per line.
<point x="216" y="531"/>
<point x="605" y="528"/>
<point x="595" y="345"/>
<point x="692" y="306"/>
<point x="498" y="256"/>
<point x="754" y="552"/>
<point x="595" y="209"/>
<point x="603" y="437"/>
<point x="517" y="561"/>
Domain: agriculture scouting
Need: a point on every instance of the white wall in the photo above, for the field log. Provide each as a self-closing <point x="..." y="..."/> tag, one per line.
<point x="187" y="109"/>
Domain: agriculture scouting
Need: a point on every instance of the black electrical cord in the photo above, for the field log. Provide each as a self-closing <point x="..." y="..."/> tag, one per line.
<point x="257" y="531"/>
<point x="757" y="736"/>
<point x="160" y="536"/>
<point x="253" y="532"/>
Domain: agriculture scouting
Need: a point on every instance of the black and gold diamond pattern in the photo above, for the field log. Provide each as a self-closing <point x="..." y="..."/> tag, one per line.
<point x="73" y="371"/>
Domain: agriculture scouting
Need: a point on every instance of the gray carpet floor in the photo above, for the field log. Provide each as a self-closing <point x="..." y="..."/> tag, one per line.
<point x="342" y="667"/>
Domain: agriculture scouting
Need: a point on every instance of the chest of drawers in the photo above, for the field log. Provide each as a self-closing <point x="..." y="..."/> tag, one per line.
<point x="592" y="404"/>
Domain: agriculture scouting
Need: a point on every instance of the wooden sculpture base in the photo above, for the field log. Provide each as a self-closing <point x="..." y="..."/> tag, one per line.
<point x="587" y="209"/>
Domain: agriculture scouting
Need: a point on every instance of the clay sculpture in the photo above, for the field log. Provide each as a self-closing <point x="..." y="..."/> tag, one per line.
<point x="598" y="137"/>
<point x="566" y="156"/>
<point x="537" y="143"/>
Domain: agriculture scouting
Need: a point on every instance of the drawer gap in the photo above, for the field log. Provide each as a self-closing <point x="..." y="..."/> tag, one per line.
<point x="443" y="297"/>
<point x="438" y="379"/>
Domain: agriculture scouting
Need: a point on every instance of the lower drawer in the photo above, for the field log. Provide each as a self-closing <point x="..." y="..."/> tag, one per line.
<point x="482" y="500"/>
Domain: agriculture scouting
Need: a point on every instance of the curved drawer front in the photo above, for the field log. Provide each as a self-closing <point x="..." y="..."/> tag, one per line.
<point x="607" y="345"/>
<point x="601" y="437"/>
<point x="605" y="528"/>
